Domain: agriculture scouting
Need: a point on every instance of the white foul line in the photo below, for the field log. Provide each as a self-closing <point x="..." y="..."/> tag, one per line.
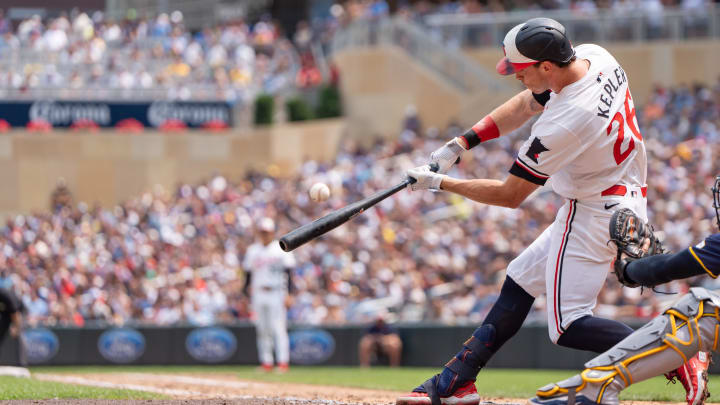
<point x="106" y="384"/>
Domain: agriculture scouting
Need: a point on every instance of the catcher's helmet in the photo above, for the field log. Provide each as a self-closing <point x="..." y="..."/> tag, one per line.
<point x="716" y="199"/>
<point x="535" y="40"/>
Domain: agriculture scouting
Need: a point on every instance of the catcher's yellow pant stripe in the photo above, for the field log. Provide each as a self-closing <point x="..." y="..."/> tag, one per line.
<point x="701" y="263"/>
<point x="616" y="369"/>
<point x="673" y="336"/>
<point x="602" y="390"/>
<point x="715" y="342"/>
<point x="622" y="372"/>
<point x="697" y="330"/>
<point x="637" y="357"/>
<point x="677" y="350"/>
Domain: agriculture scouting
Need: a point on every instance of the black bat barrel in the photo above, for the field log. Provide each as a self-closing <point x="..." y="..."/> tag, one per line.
<point x="320" y="226"/>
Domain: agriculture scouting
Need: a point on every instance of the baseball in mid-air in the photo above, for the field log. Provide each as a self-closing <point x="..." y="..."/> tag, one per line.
<point x="319" y="192"/>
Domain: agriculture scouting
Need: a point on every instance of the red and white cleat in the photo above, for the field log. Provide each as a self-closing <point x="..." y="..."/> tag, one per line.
<point x="693" y="377"/>
<point x="465" y="395"/>
<point x="264" y="368"/>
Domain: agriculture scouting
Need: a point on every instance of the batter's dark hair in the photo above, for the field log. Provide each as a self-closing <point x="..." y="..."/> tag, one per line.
<point x="564" y="64"/>
<point x="558" y="64"/>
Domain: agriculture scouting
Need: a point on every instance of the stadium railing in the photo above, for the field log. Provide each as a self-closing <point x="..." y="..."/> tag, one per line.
<point x="196" y="14"/>
<point x="451" y="64"/>
<point x="635" y="25"/>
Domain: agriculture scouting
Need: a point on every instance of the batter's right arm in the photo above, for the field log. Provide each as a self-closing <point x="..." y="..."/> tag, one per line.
<point x="512" y="114"/>
<point x="504" y="119"/>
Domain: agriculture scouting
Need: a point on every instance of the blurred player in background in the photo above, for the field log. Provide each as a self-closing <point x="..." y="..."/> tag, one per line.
<point x="587" y="140"/>
<point x="380" y="337"/>
<point x="11" y="320"/>
<point x="268" y="279"/>
<point x="689" y="327"/>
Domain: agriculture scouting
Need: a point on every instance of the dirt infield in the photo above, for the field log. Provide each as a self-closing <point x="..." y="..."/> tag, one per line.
<point x="226" y="389"/>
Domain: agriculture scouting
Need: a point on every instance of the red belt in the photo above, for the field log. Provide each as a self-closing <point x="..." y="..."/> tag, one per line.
<point x="619" y="189"/>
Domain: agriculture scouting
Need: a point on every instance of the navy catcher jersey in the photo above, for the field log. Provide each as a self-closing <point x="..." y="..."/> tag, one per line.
<point x="707" y="253"/>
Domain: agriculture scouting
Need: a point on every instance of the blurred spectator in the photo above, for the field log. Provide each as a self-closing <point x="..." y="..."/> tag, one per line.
<point x="177" y="256"/>
<point x="61" y="197"/>
<point x="94" y="55"/>
<point x="380" y="339"/>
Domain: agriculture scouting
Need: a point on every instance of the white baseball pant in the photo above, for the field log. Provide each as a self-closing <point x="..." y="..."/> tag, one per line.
<point x="570" y="260"/>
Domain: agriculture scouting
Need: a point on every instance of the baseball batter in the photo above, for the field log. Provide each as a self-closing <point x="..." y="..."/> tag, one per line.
<point x="588" y="141"/>
<point x="689" y="327"/>
<point x="268" y="277"/>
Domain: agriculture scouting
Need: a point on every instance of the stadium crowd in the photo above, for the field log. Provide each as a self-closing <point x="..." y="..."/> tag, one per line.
<point x="418" y="9"/>
<point x="80" y="55"/>
<point x="446" y="19"/>
<point x="170" y="257"/>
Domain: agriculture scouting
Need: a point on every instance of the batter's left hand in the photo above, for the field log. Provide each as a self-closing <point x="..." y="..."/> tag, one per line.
<point x="448" y="154"/>
<point x="425" y="178"/>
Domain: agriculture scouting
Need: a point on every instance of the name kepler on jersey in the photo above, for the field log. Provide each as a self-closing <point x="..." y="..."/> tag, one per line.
<point x="611" y="89"/>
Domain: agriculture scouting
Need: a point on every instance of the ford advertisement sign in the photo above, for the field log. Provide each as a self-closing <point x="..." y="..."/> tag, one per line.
<point x="211" y="345"/>
<point x="311" y="346"/>
<point x="108" y="114"/>
<point x="121" y="345"/>
<point x="41" y="345"/>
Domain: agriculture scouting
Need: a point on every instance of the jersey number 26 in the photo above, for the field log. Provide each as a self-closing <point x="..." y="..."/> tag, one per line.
<point x="628" y="120"/>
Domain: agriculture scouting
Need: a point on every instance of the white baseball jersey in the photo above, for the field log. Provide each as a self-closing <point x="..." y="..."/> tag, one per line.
<point x="268" y="264"/>
<point x="269" y="289"/>
<point x="587" y="138"/>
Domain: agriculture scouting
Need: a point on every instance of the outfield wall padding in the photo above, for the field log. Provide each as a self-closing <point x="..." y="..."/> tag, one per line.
<point x="423" y="346"/>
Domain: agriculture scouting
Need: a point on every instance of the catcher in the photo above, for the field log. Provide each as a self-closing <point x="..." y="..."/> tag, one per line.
<point x="690" y="326"/>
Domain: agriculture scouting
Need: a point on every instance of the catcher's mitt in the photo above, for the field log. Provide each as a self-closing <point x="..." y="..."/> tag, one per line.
<point x="634" y="240"/>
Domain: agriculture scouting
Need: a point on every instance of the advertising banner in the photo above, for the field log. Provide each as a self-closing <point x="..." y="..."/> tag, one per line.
<point x="108" y="114"/>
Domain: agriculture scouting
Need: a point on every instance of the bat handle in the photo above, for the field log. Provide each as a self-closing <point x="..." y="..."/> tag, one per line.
<point x="434" y="167"/>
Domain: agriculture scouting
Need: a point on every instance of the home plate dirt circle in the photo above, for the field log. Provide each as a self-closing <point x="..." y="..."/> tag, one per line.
<point x="226" y="389"/>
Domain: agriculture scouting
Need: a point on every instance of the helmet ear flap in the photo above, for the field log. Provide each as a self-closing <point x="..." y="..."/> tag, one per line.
<point x="716" y="199"/>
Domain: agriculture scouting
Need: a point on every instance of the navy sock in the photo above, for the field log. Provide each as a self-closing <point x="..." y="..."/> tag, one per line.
<point x="594" y="334"/>
<point x="502" y="322"/>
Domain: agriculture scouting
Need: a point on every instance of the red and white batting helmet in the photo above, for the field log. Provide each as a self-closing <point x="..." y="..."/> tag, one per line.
<point x="535" y="40"/>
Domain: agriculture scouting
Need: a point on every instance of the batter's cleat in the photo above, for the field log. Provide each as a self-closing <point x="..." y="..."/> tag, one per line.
<point x="693" y="377"/>
<point x="426" y="394"/>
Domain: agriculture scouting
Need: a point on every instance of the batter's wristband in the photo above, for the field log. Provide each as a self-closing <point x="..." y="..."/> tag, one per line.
<point x="484" y="130"/>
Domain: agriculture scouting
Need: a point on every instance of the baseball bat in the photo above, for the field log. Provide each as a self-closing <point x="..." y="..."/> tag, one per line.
<point x="321" y="226"/>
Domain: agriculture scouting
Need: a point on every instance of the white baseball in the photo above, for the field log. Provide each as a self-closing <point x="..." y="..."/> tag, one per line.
<point x="319" y="192"/>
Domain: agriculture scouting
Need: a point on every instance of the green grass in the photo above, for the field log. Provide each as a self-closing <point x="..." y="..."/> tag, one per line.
<point x="495" y="383"/>
<point x="27" y="388"/>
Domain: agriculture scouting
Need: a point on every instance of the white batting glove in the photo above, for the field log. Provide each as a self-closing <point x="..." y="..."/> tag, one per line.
<point x="425" y="178"/>
<point x="447" y="155"/>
